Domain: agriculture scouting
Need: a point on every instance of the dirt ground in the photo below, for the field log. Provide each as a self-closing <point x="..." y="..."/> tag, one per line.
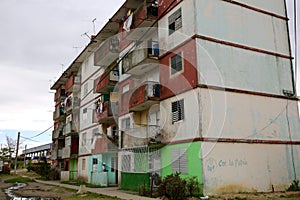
<point x="34" y="189"/>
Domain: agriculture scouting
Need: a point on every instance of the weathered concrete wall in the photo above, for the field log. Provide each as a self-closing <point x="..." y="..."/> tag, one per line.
<point x="237" y="115"/>
<point x="232" y="23"/>
<point x="232" y="67"/>
<point x="276" y="7"/>
<point x="187" y="128"/>
<point x="231" y="167"/>
<point x="166" y="41"/>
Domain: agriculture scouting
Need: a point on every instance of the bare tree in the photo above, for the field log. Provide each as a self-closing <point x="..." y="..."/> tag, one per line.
<point x="11" y="145"/>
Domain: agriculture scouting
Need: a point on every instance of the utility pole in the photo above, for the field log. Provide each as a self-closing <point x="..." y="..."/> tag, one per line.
<point x="25" y="156"/>
<point x="16" y="159"/>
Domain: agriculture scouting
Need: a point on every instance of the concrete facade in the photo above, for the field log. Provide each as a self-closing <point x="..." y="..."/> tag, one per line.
<point x="208" y="91"/>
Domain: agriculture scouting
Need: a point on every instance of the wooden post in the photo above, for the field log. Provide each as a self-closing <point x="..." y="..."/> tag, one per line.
<point x="17" y="151"/>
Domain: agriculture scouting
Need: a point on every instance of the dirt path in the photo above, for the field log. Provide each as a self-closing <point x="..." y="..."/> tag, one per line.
<point x="34" y="189"/>
<point x="4" y="186"/>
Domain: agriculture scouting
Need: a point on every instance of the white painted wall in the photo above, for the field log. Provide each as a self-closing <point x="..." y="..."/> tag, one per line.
<point x="231" y="167"/>
<point x="244" y="116"/>
<point x="277" y="6"/>
<point x="166" y="41"/>
<point x="232" y="67"/>
<point x="226" y="21"/>
<point x="184" y="129"/>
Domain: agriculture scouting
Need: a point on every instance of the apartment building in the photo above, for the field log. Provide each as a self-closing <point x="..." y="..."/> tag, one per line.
<point x="200" y="87"/>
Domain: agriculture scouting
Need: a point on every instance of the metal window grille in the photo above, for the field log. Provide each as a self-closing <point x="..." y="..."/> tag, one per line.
<point x="177" y="110"/>
<point x="176" y="63"/>
<point x="179" y="161"/>
<point x="175" y="21"/>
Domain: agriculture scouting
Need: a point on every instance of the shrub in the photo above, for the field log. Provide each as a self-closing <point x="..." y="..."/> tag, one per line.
<point x="176" y="188"/>
<point x="193" y="187"/>
<point x="294" y="186"/>
<point x="173" y="187"/>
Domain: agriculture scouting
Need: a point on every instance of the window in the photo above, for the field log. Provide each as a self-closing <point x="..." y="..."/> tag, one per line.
<point x="177" y="110"/>
<point x="126" y="163"/>
<point x="126" y="123"/>
<point x="175" y="21"/>
<point x="83" y="164"/>
<point x="179" y="161"/>
<point x="85" y="89"/>
<point x="95" y="164"/>
<point x="176" y="64"/>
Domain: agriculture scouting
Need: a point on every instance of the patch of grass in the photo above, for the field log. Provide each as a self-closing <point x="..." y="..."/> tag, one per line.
<point x="89" y="196"/>
<point x="19" y="180"/>
<point x="78" y="183"/>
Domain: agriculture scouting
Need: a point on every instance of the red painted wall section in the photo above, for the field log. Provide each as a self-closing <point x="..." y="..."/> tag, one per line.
<point x="164" y="4"/>
<point x="69" y="82"/>
<point x="181" y="81"/>
<point x="125" y="97"/>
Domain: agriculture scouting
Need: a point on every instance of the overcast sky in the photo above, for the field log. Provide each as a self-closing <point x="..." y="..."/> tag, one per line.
<point x="39" y="39"/>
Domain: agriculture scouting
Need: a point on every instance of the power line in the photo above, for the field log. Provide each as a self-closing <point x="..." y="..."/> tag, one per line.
<point x="29" y="139"/>
<point x="42" y="132"/>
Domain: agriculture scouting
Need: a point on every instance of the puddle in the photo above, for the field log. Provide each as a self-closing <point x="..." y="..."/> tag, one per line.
<point x="10" y="193"/>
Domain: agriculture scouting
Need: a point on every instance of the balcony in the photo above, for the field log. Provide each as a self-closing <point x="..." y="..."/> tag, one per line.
<point x="107" y="53"/>
<point x="143" y="18"/>
<point x="66" y="152"/>
<point x="144" y="97"/>
<point x="60" y="95"/>
<point x="140" y="136"/>
<point x="72" y="103"/>
<point x="141" y="60"/>
<point x="73" y="84"/>
<point x="69" y="128"/>
<point x="58" y="113"/>
<point x="106" y="82"/>
<point x="55" y="134"/>
<point x="59" y="153"/>
<point x="105" y="145"/>
<point x="105" y="113"/>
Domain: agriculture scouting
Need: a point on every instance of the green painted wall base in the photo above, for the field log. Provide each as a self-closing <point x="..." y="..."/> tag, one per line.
<point x="132" y="181"/>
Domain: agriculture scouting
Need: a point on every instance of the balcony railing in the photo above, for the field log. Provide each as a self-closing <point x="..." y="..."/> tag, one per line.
<point x="73" y="84"/>
<point x="107" y="53"/>
<point x="106" y="82"/>
<point x="141" y="61"/>
<point x="144" y="97"/>
<point x="58" y="113"/>
<point x="143" y="17"/>
<point x="69" y="128"/>
<point x="140" y="136"/>
<point x="60" y="95"/>
<point x="66" y="152"/>
<point x="106" y="112"/>
<point x="105" y="145"/>
<point x="72" y="103"/>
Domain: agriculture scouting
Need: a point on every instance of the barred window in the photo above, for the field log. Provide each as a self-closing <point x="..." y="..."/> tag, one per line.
<point x="126" y="123"/>
<point x="176" y="63"/>
<point x="175" y="21"/>
<point x="179" y="161"/>
<point x="126" y="163"/>
<point x="177" y="110"/>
